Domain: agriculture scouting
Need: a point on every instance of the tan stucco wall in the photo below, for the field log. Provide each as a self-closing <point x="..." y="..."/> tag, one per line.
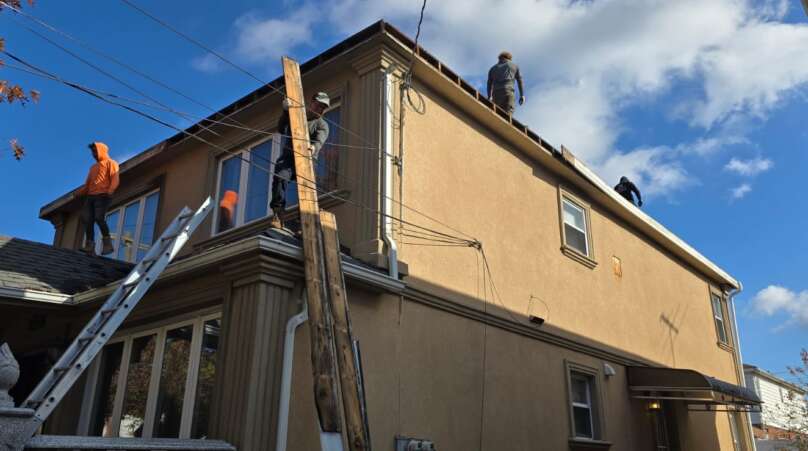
<point x="467" y="177"/>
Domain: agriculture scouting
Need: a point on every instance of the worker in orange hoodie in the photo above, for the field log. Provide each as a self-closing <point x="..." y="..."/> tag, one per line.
<point x="101" y="183"/>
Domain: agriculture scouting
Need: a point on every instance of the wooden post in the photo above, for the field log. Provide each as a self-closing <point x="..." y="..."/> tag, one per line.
<point x="354" y="423"/>
<point x="322" y="359"/>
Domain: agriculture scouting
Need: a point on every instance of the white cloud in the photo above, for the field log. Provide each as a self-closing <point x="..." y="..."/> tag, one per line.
<point x="584" y="63"/>
<point x="776" y="299"/>
<point x="749" y="167"/>
<point x="739" y="192"/>
<point x="207" y="63"/>
<point x="262" y="39"/>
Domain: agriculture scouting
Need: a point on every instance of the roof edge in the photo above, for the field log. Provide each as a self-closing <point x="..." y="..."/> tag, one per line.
<point x="34" y="295"/>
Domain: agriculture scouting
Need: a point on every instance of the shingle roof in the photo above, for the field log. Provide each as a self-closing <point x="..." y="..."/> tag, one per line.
<point x="29" y="265"/>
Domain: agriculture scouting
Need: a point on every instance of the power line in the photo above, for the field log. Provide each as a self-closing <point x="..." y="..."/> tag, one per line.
<point x="194" y="136"/>
<point x="218" y="55"/>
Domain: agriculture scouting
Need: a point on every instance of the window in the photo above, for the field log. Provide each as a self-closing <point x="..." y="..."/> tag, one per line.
<point x="718" y="316"/>
<point x="584" y="406"/>
<point x="132" y="228"/>
<point x="156" y="383"/>
<point x="576" y="237"/>
<point x="735" y="431"/>
<point x="245" y="179"/>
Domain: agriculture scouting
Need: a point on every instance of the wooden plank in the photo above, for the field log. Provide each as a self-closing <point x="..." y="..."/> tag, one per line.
<point x="322" y="359"/>
<point x="338" y="296"/>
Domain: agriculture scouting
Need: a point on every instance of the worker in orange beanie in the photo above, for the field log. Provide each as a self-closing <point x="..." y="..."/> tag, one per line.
<point x="101" y="183"/>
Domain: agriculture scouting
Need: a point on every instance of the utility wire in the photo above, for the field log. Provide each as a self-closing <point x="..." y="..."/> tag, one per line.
<point x="218" y="55"/>
<point x="194" y="136"/>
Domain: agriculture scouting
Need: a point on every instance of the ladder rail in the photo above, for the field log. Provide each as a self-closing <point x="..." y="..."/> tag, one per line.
<point x="58" y="381"/>
<point x="96" y="322"/>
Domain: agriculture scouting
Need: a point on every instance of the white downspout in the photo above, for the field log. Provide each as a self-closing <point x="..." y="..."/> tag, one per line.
<point x="737" y="338"/>
<point x="387" y="175"/>
<point x="286" y="374"/>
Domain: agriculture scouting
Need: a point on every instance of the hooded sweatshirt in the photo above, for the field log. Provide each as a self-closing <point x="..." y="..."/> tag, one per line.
<point x="103" y="175"/>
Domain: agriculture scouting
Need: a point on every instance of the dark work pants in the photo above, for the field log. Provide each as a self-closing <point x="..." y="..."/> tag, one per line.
<point x="284" y="173"/>
<point x="505" y="99"/>
<point x="95" y="212"/>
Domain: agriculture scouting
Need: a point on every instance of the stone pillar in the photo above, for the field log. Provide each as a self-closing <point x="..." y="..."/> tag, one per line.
<point x="368" y="103"/>
<point x="14" y="423"/>
<point x="261" y="300"/>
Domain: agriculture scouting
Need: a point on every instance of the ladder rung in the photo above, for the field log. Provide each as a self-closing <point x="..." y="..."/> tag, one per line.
<point x="186" y="215"/>
<point x="132" y="283"/>
<point x="170" y="237"/>
<point x="60" y="369"/>
<point x="109" y="311"/>
<point x="85" y="339"/>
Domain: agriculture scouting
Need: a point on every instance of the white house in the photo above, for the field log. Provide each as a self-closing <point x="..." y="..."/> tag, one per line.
<point x="784" y="404"/>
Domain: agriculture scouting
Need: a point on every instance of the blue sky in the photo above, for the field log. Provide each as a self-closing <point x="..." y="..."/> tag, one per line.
<point x="702" y="103"/>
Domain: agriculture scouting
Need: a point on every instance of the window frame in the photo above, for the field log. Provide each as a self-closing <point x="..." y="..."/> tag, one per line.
<point x="127" y="337"/>
<point x="115" y="229"/>
<point x="243" y="151"/>
<point x="723" y="310"/>
<point x="588" y="258"/>
<point x="597" y="417"/>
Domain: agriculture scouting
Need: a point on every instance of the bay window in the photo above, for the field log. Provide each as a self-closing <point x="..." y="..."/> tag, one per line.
<point x="244" y="177"/>
<point x="155" y="383"/>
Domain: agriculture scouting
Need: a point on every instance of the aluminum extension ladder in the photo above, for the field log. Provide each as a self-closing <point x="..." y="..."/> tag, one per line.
<point x="55" y="385"/>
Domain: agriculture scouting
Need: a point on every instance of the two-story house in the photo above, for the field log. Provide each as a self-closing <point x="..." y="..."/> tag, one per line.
<point x="784" y="405"/>
<point x="505" y="298"/>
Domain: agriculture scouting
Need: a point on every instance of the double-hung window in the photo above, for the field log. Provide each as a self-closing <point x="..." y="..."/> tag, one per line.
<point x="244" y="178"/>
<point x="132" y="228"/>
<point x="576" y="234"/>
<point x="718" y="316"/>
<point x="155" y="383"/>
<point x="585" y="414"/>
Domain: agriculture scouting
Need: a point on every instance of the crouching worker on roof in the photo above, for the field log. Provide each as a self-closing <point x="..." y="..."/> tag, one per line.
<point x="101" y="183"/>
<point x="285" y="165"/>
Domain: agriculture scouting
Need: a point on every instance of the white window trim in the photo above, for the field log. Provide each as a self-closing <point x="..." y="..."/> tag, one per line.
<point x="588" y="405"/>
<point x="584" y="231"/>
<point x="127" y="337"/>
<point x="588" y="258"/>
<point x="116" y="229"/>
<point x="244" y="153"/>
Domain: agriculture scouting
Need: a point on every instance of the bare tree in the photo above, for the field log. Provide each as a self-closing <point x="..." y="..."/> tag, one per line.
<point x="11" y="92"/>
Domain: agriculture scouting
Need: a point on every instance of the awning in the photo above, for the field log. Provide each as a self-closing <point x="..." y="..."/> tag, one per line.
<point x="689" y="386"/>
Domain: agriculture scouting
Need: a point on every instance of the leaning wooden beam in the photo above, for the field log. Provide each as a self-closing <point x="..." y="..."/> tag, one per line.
<point x="322" y="358"/>
<point x="343" y="340"/>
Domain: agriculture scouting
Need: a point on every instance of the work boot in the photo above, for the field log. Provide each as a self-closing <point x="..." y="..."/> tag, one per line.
<point x="106" y="246"/>
<point x="89" y="247"/>
<point x="276" y="222"/>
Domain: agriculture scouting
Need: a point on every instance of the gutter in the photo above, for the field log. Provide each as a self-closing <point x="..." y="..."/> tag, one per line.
<point x="387" y="176"/>
<point x="736" y="336"/>
<point x="216" y="255"/>
<point x="35" y="295"/>
<point x="286" y="375"/>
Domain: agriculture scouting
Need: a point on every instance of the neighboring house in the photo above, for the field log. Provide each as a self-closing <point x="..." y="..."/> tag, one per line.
<point x="784" y="405"/>
<point x="637" y="350"/>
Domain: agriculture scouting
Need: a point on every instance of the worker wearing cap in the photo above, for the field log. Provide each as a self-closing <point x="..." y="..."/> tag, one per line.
<point x="101" y="183"/>
<point x="501" y="79"/>
<point x="285" y="165"/>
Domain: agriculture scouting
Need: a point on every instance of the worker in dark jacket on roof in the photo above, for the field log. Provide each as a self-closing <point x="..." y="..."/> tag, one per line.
<point x="625" y="188"/>
<point x="101" y="183"/>
<point x="501" y="79"/>
<point x="285" y="165"/>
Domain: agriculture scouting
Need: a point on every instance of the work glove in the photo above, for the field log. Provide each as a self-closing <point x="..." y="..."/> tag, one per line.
<point x="639" y="204"/>
<point x="286" y="103"/>
<point x="522" y="100"/>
